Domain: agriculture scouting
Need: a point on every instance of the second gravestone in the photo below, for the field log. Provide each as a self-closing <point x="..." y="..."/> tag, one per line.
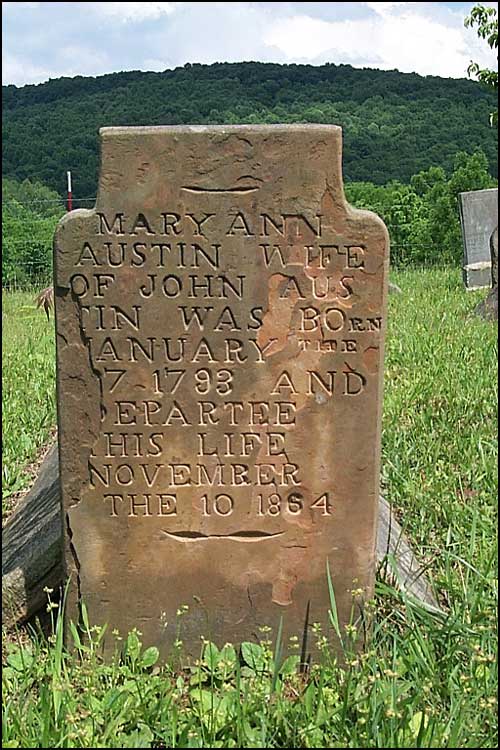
<point x="220" y="328"/>
<point x="478" y="217"/>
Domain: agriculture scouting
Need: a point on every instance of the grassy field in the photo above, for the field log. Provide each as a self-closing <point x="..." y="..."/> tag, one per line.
<point x="427" y="680"/>
<point x="28" y="393"/>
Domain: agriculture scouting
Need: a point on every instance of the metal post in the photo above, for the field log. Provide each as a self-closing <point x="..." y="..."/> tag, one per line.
<point x="70" y="194"/>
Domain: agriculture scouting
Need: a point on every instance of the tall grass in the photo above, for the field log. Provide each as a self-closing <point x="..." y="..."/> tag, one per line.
<point x="28" y="393"/>
<point x="426" y="680"/>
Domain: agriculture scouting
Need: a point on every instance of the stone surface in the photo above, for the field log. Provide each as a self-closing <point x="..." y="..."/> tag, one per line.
<point x="479" y="217"/>
<point x="220" y="320"/>
<point x="488" y="307"/>
<point x="494" y="257"/>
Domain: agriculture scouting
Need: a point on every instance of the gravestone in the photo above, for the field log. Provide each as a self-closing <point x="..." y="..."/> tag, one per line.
<point x="479" y="217"/>
<point x="220" y="322"/>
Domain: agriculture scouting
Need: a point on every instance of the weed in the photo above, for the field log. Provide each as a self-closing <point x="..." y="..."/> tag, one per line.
<point x="425" y="681"/>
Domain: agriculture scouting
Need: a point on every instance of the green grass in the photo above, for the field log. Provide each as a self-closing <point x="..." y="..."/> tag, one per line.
<point x="426" y="681"/>
<point x="440" y="432"/>
<point x="28" y="393"/>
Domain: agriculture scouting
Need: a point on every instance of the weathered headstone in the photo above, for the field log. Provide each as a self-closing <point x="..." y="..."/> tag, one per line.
<point x="220" y="325"/>
<point x="479" y="217"/>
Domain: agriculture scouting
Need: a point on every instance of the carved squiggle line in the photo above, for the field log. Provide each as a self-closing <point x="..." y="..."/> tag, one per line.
<point x="198" y="189"/>
<point x="237" y="536"/>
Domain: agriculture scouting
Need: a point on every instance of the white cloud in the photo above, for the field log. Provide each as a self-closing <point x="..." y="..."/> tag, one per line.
<point x="152" y="63"/>
<point x="9" y="6"/>
<point x="66" y="38"/>
<point x="383" y="8"/>
<point x="20" y="72"/>
<point x="72" y="61"/>
<point x="134" y="12"/>
<point x="398" y="36"/>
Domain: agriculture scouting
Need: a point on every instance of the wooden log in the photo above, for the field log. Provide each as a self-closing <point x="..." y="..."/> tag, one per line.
<point x="398" y="563"/>
<point x="32" y="550"/>
<point x="32" y="546"/>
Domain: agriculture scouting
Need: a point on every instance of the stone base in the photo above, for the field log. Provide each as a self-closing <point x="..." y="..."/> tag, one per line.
<point x="477" y="276"/>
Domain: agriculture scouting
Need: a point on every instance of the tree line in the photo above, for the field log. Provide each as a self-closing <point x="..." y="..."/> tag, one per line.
<point x="395" y="125"/>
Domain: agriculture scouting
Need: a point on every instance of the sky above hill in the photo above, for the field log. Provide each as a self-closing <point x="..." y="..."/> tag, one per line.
<point x="43" y="40"/>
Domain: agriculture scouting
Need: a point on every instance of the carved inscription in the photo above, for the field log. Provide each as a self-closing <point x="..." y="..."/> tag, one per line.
<point x="185" y="374"/>
<point x="219" y="344"/>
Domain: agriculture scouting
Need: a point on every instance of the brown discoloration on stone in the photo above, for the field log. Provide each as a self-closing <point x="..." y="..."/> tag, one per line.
<point x="249" y="427"/>
<point x="494" y="258"/>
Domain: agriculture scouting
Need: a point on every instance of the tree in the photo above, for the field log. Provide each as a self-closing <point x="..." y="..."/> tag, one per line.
<point x="29" y="216"/>
<point x="486" y="20"/>
<point x="438" y="234"/>
<point x="395" y="124"/>
<point x="33" y="196"/>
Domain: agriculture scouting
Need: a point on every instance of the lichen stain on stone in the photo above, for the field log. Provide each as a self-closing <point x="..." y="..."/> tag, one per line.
<point x="277" y="320"/>
<point x="371" y="357"/>
<point x="277" y="327"/>
<point x="292" y="563"/>
<point x="282" y="591"/>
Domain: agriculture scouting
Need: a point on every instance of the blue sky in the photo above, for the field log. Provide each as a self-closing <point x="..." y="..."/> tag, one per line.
<point x="43" y="40"/>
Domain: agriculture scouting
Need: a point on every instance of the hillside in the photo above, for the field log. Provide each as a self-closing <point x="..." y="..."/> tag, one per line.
<point x="395" y="124"/>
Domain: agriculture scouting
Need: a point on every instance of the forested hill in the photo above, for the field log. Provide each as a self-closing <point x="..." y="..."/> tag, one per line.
<point x="395" y="124"/>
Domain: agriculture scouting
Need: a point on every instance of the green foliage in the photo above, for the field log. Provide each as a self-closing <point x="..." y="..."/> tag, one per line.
<point x="486" y="20"/>
<point x="29" y="217"/>
<point x="395" y="124"/>
<point x="28" y="393"/>
<point x="423" y="217"/>
<point x="32" y="195"/>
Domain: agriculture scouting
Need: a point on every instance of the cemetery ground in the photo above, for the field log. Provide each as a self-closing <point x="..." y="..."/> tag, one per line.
<point x="427" y="680"/>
